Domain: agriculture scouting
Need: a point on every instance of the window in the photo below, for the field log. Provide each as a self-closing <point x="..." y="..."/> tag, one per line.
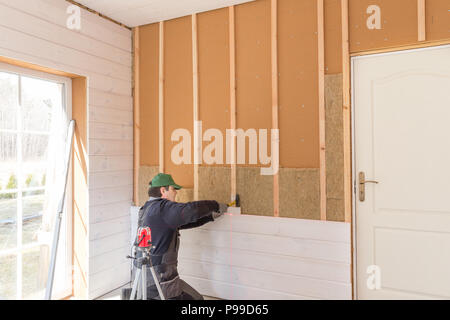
<point x="35" y="109"/>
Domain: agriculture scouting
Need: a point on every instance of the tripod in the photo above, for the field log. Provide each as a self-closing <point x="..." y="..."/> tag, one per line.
<point x="141" y="275"/>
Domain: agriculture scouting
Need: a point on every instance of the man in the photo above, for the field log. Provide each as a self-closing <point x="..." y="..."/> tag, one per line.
<point x="165" y="217"/>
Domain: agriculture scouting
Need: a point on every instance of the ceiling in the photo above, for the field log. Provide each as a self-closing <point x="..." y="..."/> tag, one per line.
<point x="134" y="13"/>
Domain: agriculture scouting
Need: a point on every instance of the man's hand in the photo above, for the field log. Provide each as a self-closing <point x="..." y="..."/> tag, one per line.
<point x="223" y="207"/>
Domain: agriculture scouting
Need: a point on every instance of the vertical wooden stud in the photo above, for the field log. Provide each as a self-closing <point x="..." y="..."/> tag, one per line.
<point x="346" y="112"/>
<point x="161" y="97"/>
<point x="421" y="20"/>
<point x="321" y="62"/>
<point x="198" y="140"/>
<point x="274" y="56"/>
<point x="136" y="115"/>
<point x="232" y="41"/>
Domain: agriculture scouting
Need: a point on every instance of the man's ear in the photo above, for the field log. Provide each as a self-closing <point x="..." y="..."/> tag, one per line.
<point x="162" y="190"/>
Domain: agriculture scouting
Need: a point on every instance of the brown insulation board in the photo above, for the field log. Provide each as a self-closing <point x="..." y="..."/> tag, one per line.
<point x="214" y="183"/>
<point x="149" y="99"/>
<point x="178" y="94"/>
<point x="333" y="36"/>
<point x="334" y="147"/>
<point x="214" y="72"/>
<point x="437" y="19"/>
<point x="298" y="84"/>
<point x="146" y="174"/>
<point x="253" y="68"/>
<point x="300" y="193"/>
<point x="255" y="191"/>
<point x="398" y="24"/>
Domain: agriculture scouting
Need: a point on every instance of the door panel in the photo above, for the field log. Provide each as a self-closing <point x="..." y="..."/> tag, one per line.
<point x="402" y="140"/>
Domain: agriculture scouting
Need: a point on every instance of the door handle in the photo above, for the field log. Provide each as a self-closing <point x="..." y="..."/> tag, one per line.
<point x="362" y="185"/>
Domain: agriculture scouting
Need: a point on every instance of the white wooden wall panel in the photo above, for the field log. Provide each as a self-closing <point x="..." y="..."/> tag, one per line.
<point x="105" y="147"/>
<point x="110" y="243"/>
<point x="110" y="163"/>
<point x="110" y="227"/>
<point x="108" y="211"/>
<point x="251" y="257"/>
<point x="92" y="26"/>
<point x="35" y="31"/>
<point x="98" y="180"/>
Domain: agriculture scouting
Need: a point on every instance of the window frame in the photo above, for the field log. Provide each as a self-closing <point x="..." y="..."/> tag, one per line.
<point x="67" y="116"/>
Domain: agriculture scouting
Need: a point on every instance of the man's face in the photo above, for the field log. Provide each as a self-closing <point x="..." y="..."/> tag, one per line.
<point x="168" y="194"/>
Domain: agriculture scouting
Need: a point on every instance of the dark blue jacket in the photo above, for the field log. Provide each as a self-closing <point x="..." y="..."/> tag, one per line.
<point x="165" y="217"/>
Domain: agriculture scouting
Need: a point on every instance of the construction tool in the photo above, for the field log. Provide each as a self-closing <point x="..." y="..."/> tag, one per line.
<point x="236" y="202"/>
<point x="144" y="245"/>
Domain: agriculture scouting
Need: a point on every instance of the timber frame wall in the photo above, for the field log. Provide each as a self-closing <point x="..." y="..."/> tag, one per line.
<point x="269" y="64"/>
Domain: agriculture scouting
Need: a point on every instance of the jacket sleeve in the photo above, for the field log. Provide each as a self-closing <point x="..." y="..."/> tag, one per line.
<point x="197" y="223"/>
<point x="179" y="214"/>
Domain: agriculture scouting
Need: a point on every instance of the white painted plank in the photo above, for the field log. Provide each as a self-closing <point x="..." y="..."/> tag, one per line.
<point x="98" y="180"/>
<point x="268" y="261"/>
<point x="109" y="115"/>
<point x="13" y="18"/>
<point x="286" y="227"/>
<point x="108" y="280"/>
<point x="108" y="244"/>
<point x="108" y="228"/>
<point x="102" y="147"/>
<point x="109" y="211"/>
<point x="225" y="290"/>
<point x="108" y="84"/>
<point x="54" y="11"/>
<point x="307" y="248"/>
<point x="110" y="163"/>
<point x="110" y="100"/>
<point x="100" y="130"/>
<point x="21" y="42"/>
<point x="96" y="81"/>
<point x="110" y="195"/>
<point x="295" y="285"/>
<point x="107" y="260"/>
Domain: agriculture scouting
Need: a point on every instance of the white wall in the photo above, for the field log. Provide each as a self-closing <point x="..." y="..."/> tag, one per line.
<point x="35" y="31"/>
<point x="255" y="257"/>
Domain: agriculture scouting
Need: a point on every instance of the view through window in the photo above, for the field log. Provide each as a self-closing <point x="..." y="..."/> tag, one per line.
<point x="34" y="111"/>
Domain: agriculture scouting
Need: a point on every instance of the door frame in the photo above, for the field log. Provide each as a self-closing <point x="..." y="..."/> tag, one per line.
<point x="354" y="191"/>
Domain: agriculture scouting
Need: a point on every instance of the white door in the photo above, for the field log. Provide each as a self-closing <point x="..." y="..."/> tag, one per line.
<point x="401" y="118"/>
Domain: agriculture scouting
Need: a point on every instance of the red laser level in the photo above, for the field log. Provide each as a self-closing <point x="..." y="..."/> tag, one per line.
<point x="144" y="237"/>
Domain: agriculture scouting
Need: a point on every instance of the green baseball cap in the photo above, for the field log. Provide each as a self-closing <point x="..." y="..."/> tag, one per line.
<point x="164" y="180"/>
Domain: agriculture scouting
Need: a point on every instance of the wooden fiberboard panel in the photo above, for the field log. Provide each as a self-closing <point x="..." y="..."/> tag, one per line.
<point x="398" y="24"/>
<point x="214" y="72"/>
<point x="253" y="67"/>
<point x="298" y="84"/>
<point x="437" y="19"/>
<point x="149" y="99"/>
<point x="333" y="36"/>
<point x="178" y="94"/>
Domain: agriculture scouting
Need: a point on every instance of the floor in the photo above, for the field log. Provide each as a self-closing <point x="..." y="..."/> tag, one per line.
<point x="115" y="294"/>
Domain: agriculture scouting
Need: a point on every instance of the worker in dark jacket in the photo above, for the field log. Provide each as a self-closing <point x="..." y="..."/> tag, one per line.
<point x="165" y="217"/>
